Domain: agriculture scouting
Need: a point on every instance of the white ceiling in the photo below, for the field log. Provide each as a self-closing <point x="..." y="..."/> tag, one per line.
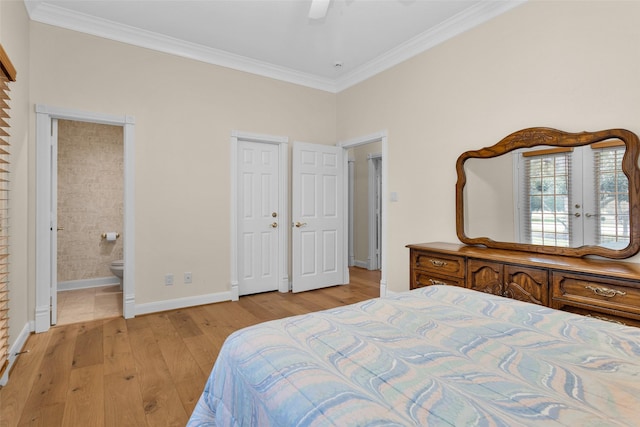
<point x="276" y="38"/>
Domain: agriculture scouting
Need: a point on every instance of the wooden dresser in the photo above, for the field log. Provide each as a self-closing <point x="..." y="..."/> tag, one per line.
<point x="609" y="290"/>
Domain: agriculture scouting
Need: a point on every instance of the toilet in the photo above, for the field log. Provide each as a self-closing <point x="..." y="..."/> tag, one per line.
<point x="117" y="268"/>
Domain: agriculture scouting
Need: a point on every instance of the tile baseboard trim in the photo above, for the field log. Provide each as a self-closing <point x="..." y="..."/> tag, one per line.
<point x="87" y="283"/>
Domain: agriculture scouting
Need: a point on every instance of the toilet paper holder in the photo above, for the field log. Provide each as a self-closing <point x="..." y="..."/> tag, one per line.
<point x="104" y="235"/>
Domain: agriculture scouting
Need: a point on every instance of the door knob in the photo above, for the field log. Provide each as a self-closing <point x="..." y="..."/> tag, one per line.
<point x="273" y="214"/>
<point x="300" y="224"/>
<point x="274" y="225"/>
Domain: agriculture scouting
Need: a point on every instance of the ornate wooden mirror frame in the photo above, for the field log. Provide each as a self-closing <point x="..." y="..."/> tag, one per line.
<point x="532" y="137"/>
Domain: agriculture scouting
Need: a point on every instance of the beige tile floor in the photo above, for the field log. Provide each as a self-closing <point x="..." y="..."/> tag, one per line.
<point x="89" y="304"/>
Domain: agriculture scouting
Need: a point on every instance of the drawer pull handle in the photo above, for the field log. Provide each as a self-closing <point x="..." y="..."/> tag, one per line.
<point x="436" y="282"/>
<point x="437" y="262"/>
<point x="605" y="292"/>
<point x="606" y="319"/>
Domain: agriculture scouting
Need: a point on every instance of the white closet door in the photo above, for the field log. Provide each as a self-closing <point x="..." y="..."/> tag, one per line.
<point x="318" y="216"/>
<point x="259" y="219"/>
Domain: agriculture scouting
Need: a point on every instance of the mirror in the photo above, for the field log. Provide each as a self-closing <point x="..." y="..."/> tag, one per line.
<point x="548" y="191"/>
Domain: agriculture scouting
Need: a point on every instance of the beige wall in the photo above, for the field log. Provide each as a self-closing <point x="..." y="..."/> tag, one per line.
<point x="184" y="114"/>
<point x="90" y="198"/>
<point x="14" y="36"/>
<point x="569" y="65"/>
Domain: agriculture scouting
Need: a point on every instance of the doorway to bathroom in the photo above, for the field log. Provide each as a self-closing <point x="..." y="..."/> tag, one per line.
<point x="88" y="192"/>
<point x="46" y="230"/>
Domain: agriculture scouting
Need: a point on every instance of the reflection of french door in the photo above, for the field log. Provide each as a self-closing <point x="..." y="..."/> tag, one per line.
<point x="573" y="197"/>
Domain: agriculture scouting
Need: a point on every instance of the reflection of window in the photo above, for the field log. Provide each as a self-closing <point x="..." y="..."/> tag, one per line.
<point x="612" y="197"/>
<point x="574" y="197"/>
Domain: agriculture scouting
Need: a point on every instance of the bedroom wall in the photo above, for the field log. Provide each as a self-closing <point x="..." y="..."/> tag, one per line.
<point x="569" y="65"/>
<point x="14" y="36"/>
<point x="184" y="114"/>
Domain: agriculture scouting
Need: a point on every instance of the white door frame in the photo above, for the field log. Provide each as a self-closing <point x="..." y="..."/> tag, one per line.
<point x="373" y="201"/>
<point x="283" y="208"/>
<point x="346" y="145"/>
<point x="44" y="218"/>
<point x="351" y="221"/>
<point x="53" y="284"/>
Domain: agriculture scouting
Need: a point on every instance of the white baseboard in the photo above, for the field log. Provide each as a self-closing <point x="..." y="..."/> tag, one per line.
<point x="361" y="264"/>
<point x="87" y="283"/>
<point x="284" y="285"/>
<point x="384" y="289"/>
<point x="174" y="304"/>
<point x="235" y="290"/>
<point x="16" y="348"/>
<point x="43" y="319"/>
<point x="129" y="306"/>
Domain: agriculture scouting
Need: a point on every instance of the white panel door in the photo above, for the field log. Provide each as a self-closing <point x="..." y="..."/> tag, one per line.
<point x="258" y="222"/>
<point x="318" y="216"/>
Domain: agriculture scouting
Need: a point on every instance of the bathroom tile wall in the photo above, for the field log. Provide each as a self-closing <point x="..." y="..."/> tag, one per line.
<point x="90" y="198"/>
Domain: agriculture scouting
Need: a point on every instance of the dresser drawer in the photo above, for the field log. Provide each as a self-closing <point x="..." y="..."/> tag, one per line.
<point x="422" y="278"/>
<point x="584" y="290"/>
<point x="440" y="264"/>
<point x="631" y="320"/>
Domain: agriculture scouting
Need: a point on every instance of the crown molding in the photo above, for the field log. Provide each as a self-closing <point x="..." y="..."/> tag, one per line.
<point x="60" y="17"/>
<point x="57" y="16"/>
<point x="458" y="24"/>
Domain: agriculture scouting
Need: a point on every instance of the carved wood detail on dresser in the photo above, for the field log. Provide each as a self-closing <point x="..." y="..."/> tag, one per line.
<point x="608" y="290"/>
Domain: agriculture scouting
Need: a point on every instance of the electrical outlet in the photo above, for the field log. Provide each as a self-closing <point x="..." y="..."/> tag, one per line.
<point x="168" y="279"/>
<point x="187" y="277"/>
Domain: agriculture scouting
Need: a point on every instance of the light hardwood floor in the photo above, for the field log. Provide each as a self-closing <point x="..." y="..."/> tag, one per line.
<point x="89" y="304"/>
<point x="146" y="371"/>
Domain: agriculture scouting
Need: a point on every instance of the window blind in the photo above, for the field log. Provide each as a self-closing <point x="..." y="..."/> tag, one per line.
<point x="612" y="195"/>
<point x="8" y="74"/>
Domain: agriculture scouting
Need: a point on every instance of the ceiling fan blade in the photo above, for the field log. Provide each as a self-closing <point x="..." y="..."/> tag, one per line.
<point x="318" y="9"/>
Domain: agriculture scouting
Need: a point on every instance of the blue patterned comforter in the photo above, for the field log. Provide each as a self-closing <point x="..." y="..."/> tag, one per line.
<point x="435" y="356"/>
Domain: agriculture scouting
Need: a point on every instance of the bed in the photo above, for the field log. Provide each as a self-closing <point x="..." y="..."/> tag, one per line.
<point x="434" y="356"/>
